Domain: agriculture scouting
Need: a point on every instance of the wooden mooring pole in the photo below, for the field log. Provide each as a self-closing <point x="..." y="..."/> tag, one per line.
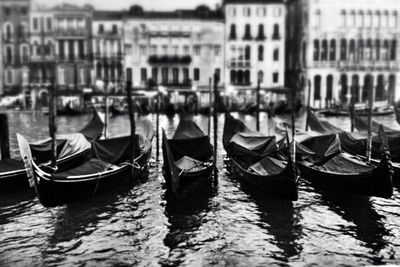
<point x="216" y="78"/>
<point x="131" y="112"/>
<point x="4" y="137"/>
<point x="52" y="123"/>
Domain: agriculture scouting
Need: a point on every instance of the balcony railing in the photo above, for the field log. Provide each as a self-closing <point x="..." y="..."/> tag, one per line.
<point x="71" y="32"/>
<point x="239" y="64"/>
<point x="169" y="34"/>
<point x="170" y="59"/>
<point x="111" y="56"/>
<point x="368" y="65"/>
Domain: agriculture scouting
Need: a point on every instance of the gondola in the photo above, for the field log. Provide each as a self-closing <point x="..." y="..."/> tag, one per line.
<point x="108" y="166"/>
<point x="188" y="160"/>
<point x="322" y="160"/>
<point x="361" y="112"/>
<point x="117" y="110"/>
<point x="257" y="159"/>
<point x="71" y="149"/>
<point x="356" y="143"/>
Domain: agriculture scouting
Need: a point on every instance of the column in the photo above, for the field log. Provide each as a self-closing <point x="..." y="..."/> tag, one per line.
<point x="76" y="48"/>
<point x="66" y="48"/>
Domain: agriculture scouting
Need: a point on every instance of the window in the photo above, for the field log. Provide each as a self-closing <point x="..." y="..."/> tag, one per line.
<point x="393" y="20"/>
<point x="343" y="49"/>
<point x="261" y="11"/>
<point x="385" y="50"/>
<point x="142" y="50"/>
<point x="332" y="49"/>
<point x="232" y="35"/>
<point x="114" y="29"/>
<point x="261" y="76"/>
<point x="101" y="29"/>
<point x="186" y="50"/>
<point x="360" y="19"/>
<point x="343" y="18"/>
<point x="217" y="50"/>
<point x="275" y="77"/>
<point x="352" y="50"/>
<point x="24" y="10"/>
<point x="377" y="49"/>
<point x="276" y="35"/>
<point x="175" y="50"/>
<point x="175" y="75"/>
<point x="377" y="19"/>
<point x="99" y="70"/>
<point x="260" y="35"/>
<point x="9" y="77"/>
<point x="246" y="12"/>
<point x="9" y="54"/>
<point x="368" y="50"/>
<point x="128" y="49"/>
<point x="247" y="76"/>
<point x="153" y="50"/>
<point x="233" y="11"/>
<point x="361" y="49"/>
<point x="277" y="12"/>
<point x="393" y="50"/>
<point x="196" y="74"/>
<point x="218" y="73"/>
<point x="24" y="54"/>
<point x="260" y="53"/>
<point x="185" y="75"/>
<point x="316" y="50"/>
<point x="352" y="19"/>
<point x="385" y="19"/>
<point x="233" y="77"/>
<point x="368" y="19"/>
<point x="324" y="50"/>
<point x="247" y="32"/>
<point x="61" y="76"/>
<point x="82" y="79"/>
<point x="154" y="75"/>
<point x="247" y="53"/>
<point x="143" y="74"/>
<point x="164" y="74"/>
<point x="8" y="32"/>
<point x="276" y="54"/>
<point x="164" y="50"/>
<point x="49" y="23"/>
<point x="196" y="50"/>
<point x="317" y="87"/>
<point x="317" y="19"/>
<point x="35" y="23"/>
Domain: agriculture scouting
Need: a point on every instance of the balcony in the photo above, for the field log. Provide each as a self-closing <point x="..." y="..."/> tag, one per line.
<point x="173" y="34"/>
<point x="70" y="32"/>
<point x="111" y="57"/>
<point x="261" y="37"/>
<point x="239" y="64"/>
<point x="368" y="65"/>
<point x="184" y="60"/>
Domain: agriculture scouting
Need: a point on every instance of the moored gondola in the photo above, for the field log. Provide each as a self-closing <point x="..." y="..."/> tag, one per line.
<point x="322" y="161"/>
<point x="188" y="160"/>
<point x="109" y="164"/>
<point x="257" y="159"/>
<point x="71" y="150"/>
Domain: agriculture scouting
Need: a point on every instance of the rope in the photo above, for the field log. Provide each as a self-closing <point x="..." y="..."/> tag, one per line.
<point x="134" y="165"/>
<point x="97" y="184"/>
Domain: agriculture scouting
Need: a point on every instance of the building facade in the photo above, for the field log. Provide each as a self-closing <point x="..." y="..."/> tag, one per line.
<point x="254" y="44"/>
<point x="14" y="22"/>
<point x="108" y="60"/>
<point x="348" y="49"/>
<point x="179" y="50"/>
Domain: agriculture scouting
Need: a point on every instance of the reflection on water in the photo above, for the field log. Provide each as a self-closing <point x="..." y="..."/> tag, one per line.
<point x="230" y="225"/>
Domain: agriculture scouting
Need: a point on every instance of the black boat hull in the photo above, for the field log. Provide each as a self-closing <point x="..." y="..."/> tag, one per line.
<point x="283" y="185"/>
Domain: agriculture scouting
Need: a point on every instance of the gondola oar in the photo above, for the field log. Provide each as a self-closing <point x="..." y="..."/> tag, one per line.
<point x="131" y="113"/>
<point x="52" y="123"/>
<point x="209" y="108"/>
<point x="216" y="78"/>
<point x="308" y="102"/>
<point x="158" y="125"/>
<point x="371" y="107"/>
<point x="106" y="115"/>
<point x="258" y="105"/>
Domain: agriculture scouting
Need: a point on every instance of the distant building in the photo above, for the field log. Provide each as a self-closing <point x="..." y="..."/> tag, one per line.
<point x="254" y="45"/>
<point x="14" y="45"/>
<point x="180" y="50"/>
<point x="345" y="48"/>
<point x="108" y="60"/>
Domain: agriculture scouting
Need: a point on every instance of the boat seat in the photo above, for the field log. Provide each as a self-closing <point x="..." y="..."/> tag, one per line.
<point x="92" y="166"/>
<point x="337" y="163"/>
<point x="267" y="166"/>
<point x="9" y="165"/>
<point x="190" y="164"/>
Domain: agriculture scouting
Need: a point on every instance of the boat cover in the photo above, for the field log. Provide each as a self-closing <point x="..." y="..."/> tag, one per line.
<point x="94" y="129"/>
<point x="9" y="165"/>
<point x="92" y="166"/>
<point x="115" y="150"/>
<point x="319" y="149"/>
<point x="189" y="140"/>
<point x="321" y="126"/>
<point x="67" y="145"/>
<point x="361" y="124"/>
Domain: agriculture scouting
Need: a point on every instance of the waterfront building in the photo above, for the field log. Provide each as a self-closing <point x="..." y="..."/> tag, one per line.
<point x="254" y="46"/>
<point x="179" y="50"/>
<point x="14" y="46"/>
<point x="344" y="48"/>
<point x="108" y="60"/>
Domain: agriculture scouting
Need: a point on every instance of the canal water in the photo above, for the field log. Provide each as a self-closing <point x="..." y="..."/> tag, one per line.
<point x="231" y="226"/>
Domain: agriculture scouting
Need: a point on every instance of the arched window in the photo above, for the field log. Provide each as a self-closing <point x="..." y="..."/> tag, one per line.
<point x="232" y="35"/>
<point x="247" y="32"/>
<point x="261" y="35"/>
<point x="316" y="50"/>
<point x="355" y="88"/>
<point x="385" y="19"/>
<point x="377" y="19"/>
<point x="101" y="29"/>
<point x="276" y="35"/>
<point x="240" y="77"/>
<point x="368" y="19"/>
<point x="317" y="18"/>
<point x="99" y="70"/>
<point x="120" y="70"/>
<point x="260" y="53"/>
<point x="343" y="18"/>
<point x="393" y="50"/>
<point x="261" y="76"/>
<point x="324" y="50"/>
<point x="361" y="49"/>
<point x="393" y="20"/>
<point x="233" y="77"/>
<point x="9" y="54"/>
<point x="332" y="50"/>
<point x="352" y="19"/>
<point x="276" y="54"/>
<point x="24" y="54"/>
<point x="377" y="49"/>
<point x="49" y="49"/>
<point x="343" y="49"/>
<point x="247" y="54"/>
<point x="360" y="19"/>
<point x="247" y="76"/>
<point x="317" y="87"/>
<point x="352" y="50"/>
<point x="344" y="87"/>
<point x="391" y="87"/>
<point x="368" y="50"/>
<point x="385" y="50"/>
<point x="380" y="89"/>
<point x="368" y="85"/>
<point x="329" y="87"/>
<point x="8" y="31"/>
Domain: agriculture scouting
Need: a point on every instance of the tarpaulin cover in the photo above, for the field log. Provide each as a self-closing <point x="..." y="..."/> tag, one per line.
<point x="356" y="143"/>
<point x="67" y="145"/>
<point x="189" y="140"/>
<point x="94" y="129"/>
<point x="8" y="165"/>
<point x="321" y="126"/>
<point x="115" y="150"/>
<point x="361" y="124"/>
<point x="92" y="166"/>
<point x="324" y="147"/>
